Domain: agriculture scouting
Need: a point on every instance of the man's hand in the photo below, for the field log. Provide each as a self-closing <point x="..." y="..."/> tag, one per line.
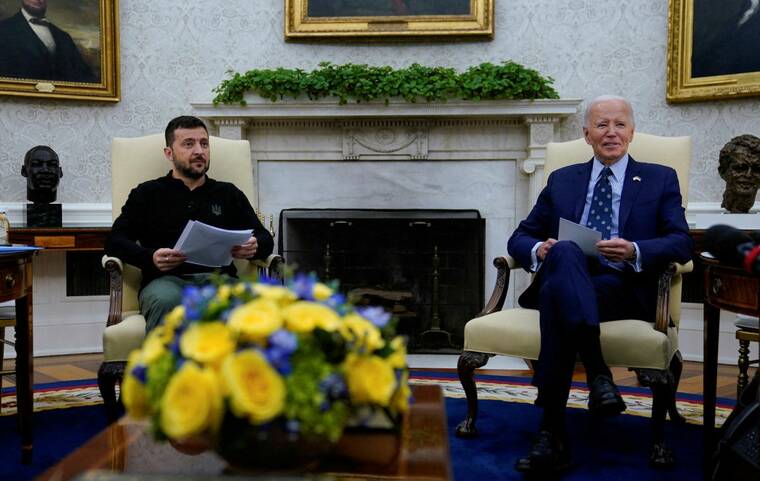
<point x="617" y="250"/>
<point x="167" y="259"/>
<point x="246" y="250"/>
<point x="543" y="249"/>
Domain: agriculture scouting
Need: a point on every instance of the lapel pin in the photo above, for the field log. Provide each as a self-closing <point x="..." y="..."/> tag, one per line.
<point x="636" y="178"/>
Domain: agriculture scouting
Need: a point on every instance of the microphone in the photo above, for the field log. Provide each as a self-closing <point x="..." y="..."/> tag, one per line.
<point x="734" y="247"/>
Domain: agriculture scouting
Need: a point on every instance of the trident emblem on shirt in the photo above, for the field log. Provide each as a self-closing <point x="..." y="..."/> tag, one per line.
<point x="216" y="209"/>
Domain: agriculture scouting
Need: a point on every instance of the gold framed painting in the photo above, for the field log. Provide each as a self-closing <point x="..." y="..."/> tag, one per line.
<point x="712" y="50"/>
<point x="63" y="49"/>
<point x="388" y="19"/>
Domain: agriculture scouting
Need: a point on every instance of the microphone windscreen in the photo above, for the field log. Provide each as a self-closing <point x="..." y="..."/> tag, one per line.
<point x="722" y="241"/>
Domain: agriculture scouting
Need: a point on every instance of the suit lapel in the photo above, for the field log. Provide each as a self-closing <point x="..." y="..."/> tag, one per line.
<point x="583" y="174"/>
<point x="32" y="43"/>
<point x="631" y="189"/>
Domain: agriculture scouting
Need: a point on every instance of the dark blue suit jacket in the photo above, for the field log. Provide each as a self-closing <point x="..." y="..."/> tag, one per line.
<point x="650" y="214"/>
<point x="23" y="55"/>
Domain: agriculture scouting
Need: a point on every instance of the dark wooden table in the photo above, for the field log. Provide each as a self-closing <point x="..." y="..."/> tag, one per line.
<point x="69" y="237"/>
<point x="16" y="285"/>
<point x="421" y="452"/>
<point x="731" y="289"/>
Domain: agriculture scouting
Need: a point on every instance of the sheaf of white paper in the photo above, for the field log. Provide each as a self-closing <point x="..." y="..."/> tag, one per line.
<point x="583" y="236"/>
<point x="209" y="246"/>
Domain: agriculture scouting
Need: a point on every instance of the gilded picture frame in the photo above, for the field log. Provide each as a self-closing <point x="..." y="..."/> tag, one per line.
<point x="76" y="55"/>
<point x="712" y="50"/>
<point x="388" y="19"/>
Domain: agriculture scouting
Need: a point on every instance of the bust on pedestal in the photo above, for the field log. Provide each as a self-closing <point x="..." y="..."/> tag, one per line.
<point x="42" y="170"/>
<point x="739" y="166"/>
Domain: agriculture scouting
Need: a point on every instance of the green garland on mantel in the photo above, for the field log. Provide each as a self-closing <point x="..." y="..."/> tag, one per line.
<point x="363" y="83"/>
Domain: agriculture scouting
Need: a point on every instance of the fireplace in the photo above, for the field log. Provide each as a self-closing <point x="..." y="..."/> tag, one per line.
<point x="424" y="266"/>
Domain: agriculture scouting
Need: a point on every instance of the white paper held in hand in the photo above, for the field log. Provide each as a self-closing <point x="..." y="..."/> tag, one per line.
<point x="583" y="236"/>
<point x="209" y="246"/>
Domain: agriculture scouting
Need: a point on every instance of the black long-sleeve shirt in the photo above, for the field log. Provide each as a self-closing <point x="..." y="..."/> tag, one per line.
<point x="156" y="212"/>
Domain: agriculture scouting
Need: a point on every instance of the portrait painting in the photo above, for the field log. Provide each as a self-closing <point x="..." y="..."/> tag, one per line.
<point x="712" y="49"/>
<point x="325" y="19"/>
<point x="59" y="48"/>
<point x="375" y="8"/>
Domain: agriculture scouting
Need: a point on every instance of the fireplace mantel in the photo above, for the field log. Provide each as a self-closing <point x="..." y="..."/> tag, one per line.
<point x="540" y="118"/>
<point x="262" y="109"/>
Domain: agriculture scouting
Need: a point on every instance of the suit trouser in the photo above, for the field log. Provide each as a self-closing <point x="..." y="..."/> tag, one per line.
<point x="164" y="293"/>
<point x="575" y="294"/>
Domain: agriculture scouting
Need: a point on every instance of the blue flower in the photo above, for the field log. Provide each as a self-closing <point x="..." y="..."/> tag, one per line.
<point x="334" y="386"/>
<point x="303" y="286"/>
<point x="140" y="372"/>
<point x="285" y="340"/>
<point x="265" y="279"/>
<point x="282" y="344"/>
<point x="376" y="315"/>
<point x="338" y="302"/>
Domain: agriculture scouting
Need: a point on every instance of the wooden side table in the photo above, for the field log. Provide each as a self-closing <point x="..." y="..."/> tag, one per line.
<point x="67" y="238"/>
<point x="735" y="290"/>
<point x="16" y="285"/>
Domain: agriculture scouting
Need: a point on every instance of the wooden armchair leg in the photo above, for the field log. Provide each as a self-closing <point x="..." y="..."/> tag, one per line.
<point x="468" y="362"/>
<point x="110" y="374"/>
<point x="662" y="383"/>
<point x="676" y="367"/>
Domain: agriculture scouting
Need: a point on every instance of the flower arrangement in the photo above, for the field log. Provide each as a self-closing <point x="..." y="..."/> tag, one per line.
<point x="288" y="362"/>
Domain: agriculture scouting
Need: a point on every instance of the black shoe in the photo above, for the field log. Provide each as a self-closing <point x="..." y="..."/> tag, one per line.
<point x="604" y="398"/>
<point x="549" y="455"/>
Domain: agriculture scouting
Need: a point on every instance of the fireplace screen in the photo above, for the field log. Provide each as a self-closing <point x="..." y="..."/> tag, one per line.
<point x="424" y="266"/>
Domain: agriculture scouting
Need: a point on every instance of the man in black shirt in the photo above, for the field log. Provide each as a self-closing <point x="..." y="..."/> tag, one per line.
<point x="156" y="212"/>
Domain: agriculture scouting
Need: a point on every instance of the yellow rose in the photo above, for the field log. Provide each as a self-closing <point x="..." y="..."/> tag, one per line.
<point x="155" y="344"/>
<point x="304" y="316"/>
<point x="207" y="342"/>
<point x="279" y="294"/>
<point x="397" y="359"/>
<point x="370" y="379"/>
<point x="239" y="289"/>
<point x="256" y="390"/>
<point x="256" y="320"/>
<point x="360" y="331"/>
<point x="133" y="393"/>
<point x="192" y="402"/>
<point x="400" y="399"/>
<point x="321" y="292"/>
<point x="223" y="293"/>
<point x="175" y="317"/>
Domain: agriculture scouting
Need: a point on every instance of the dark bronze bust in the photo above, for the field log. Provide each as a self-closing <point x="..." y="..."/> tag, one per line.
<point x="739" y="166"/>
<point x="42" y="170"/>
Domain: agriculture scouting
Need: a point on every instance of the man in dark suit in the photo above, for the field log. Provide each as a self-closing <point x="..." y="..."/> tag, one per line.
<point x="637" y="207"/>
<point x="33" y="48"/>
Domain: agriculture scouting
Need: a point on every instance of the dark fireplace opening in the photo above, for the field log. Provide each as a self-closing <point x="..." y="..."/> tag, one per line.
<point x="424" y="266"/>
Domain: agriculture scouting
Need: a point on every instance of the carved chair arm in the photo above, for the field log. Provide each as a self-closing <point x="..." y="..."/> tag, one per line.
<point x="272" y="266"/>
<point x="114" y="267"/>
<point x="662" y="318"/>
<point x="503" y="265"/>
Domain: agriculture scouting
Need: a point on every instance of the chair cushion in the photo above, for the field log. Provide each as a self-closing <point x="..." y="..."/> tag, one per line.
<point x="516" y="332"/>
<point x="122" y="338"/>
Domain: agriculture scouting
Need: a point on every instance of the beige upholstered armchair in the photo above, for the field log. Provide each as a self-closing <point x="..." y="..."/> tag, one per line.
<point x="133" y="161"/>
<point x="650" y="349"/>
